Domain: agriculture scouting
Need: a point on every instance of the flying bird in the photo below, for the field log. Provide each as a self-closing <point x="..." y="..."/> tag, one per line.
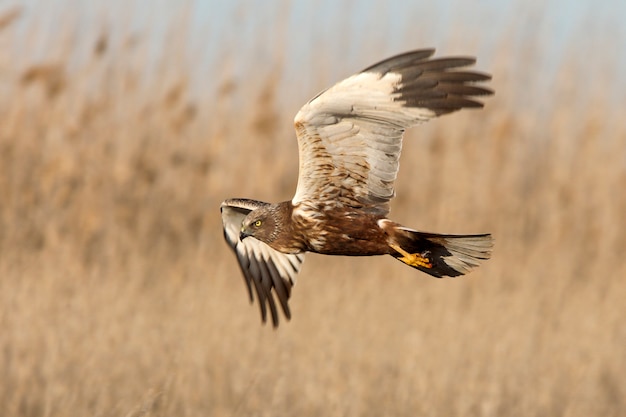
<point x="349" y="142"/>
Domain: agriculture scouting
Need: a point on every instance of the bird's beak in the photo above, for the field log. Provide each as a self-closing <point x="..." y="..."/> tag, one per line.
<point x="243" y="234"/>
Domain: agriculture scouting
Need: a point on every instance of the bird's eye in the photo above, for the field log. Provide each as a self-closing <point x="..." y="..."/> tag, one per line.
<point x="257" y="223"/>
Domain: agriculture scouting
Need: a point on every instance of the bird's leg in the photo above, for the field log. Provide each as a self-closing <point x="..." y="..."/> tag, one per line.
<point x="412" y="259"/>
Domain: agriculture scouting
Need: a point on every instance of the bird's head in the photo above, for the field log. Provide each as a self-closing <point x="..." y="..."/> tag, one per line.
<point x="260" y="224"/>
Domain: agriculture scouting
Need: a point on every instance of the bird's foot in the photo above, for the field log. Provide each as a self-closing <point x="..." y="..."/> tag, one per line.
<point x="412" y="259"/>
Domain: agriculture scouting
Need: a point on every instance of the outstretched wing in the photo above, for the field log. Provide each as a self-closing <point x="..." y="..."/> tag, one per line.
<point x="350" y="136"/>
<point x="270" y="272"/>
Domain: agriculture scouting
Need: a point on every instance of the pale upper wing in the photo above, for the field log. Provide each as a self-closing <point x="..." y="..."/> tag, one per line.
<point x="350" y="136"/>
<point x="270" y="272"/>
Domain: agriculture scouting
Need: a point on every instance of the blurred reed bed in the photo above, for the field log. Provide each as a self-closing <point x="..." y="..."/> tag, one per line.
<point x="118" y="296"/>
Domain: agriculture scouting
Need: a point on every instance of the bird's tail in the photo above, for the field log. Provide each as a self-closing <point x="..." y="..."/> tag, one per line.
<point x="440" y="255"/>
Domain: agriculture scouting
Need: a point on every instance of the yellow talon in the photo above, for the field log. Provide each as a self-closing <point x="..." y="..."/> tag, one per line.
<point x="417" y="260"/>
<point x="412" y="259"/>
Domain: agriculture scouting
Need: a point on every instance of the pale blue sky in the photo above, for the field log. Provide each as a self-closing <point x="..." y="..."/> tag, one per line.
<point x="242" y="39"/>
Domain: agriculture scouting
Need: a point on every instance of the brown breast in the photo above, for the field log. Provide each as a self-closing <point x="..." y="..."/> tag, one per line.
<point x="333" y="230"/>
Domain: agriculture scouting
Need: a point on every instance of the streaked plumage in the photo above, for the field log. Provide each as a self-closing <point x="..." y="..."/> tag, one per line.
<point x="349" y="140"/>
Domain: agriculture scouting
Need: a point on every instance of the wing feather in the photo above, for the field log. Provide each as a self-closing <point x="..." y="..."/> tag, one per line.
<point x="267" y="272"/>
<point x="350" y="136"/>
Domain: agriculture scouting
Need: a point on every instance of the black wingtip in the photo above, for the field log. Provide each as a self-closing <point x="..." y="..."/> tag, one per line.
<point x="400" y="60"/>
<point x="441" y="87"/>
<point x="439" y="84"/>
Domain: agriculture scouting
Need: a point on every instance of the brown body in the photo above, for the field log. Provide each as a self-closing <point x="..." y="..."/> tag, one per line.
<point x="307" y="228"/>
<point x="343" y="231"/>
<point x="335" y="229"/>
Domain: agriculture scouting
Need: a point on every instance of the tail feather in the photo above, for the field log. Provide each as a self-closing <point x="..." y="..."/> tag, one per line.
<point x="440" y="255"/>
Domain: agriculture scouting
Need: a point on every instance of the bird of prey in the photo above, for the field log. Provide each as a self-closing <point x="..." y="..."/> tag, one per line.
<point x="349" y="142"/>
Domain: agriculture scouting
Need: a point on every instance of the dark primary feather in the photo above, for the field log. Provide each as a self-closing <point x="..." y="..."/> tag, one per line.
<point x="436" y="84"/>
<point x="399" y="61"/>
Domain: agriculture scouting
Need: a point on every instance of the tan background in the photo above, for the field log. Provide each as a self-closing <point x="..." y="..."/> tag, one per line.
<point x="119" y="139"/>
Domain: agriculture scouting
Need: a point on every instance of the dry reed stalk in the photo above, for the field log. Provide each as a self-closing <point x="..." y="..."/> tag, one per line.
<point x="117" y="294"/>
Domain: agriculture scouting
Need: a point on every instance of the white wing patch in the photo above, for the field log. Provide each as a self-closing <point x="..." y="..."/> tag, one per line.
<point x="350" y="138"/>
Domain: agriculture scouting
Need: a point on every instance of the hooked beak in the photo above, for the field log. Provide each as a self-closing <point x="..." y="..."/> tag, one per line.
<point x="243" y="234"/>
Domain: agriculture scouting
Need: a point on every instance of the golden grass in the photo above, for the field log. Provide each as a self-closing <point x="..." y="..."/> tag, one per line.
<point x="119" y="297"/>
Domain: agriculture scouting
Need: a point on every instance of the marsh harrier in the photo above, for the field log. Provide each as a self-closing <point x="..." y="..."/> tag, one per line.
<point x="349" y="141"/>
